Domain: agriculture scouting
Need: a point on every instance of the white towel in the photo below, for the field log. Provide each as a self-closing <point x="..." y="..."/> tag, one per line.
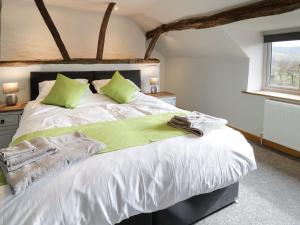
<point x="16" y="151"/>
<point x="16" y="163"/>
<point x="24" y="153"/>
<point x="197" y="123"/>
<point x="71" y="148"/>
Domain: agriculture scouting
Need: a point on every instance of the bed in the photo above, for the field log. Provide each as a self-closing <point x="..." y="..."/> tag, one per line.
<point x="176" y="181"/>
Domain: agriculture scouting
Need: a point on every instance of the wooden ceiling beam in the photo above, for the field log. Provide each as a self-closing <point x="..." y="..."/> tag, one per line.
<point x="51" y="26"/>
<point x="19" y="63"/>
<point x="253" y="10"/>
<point x="103" y="28"/>
<point x="152" y="44"/>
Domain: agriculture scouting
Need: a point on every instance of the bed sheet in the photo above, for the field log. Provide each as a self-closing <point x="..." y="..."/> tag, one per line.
<point x="108" y="188"/>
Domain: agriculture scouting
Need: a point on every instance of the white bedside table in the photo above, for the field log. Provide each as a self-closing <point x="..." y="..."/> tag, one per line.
<point x="9" y="122"/>
<point x="165" y="96"/>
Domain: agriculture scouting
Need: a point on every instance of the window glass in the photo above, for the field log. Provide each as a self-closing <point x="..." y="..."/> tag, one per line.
<point x="285" y="65"/>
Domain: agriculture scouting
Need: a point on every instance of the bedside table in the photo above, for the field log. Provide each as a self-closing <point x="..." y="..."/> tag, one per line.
<point x="165" y="96"/>
<point x="9" y="122"/>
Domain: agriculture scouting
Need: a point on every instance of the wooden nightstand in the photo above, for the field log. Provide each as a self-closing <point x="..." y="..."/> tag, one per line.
<point x="9" y="122"/>
<point x="165" y="96"/>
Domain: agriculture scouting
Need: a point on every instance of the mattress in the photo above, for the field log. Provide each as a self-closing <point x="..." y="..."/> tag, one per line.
<point x="108" y="188"/>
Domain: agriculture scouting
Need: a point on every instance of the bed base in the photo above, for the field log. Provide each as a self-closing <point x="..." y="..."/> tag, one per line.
<point x="190" y="210"/>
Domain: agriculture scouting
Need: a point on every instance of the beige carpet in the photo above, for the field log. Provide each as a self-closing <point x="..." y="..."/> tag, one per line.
<point x="268" y="196"/>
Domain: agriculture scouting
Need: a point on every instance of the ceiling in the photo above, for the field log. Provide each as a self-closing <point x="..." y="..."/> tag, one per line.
<point x="194" y="43"/>
<point x="151" y="13"/>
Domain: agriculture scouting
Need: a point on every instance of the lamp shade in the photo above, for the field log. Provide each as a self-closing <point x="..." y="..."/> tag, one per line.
<point x="154" y="81"/>
<point x="10" y="88"/>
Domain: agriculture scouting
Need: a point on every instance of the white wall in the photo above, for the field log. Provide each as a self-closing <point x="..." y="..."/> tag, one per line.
<point x="210" y="83"/>
<point x="25" y="35"/>
<point x="162" y="71"/>
<point x="251" y="43"/>
<point x="196" y="43"/>
<point x="213" y="85"/>
<point x="224" y="61"/>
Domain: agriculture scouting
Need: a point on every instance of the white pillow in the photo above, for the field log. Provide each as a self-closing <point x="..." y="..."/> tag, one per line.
<point x="46" y="86"/>
<point x="98" y="84"/>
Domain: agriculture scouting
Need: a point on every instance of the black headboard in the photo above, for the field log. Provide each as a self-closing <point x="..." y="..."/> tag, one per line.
<point x="36" y="77"/>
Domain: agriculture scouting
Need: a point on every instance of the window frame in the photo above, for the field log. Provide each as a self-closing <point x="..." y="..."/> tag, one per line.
<point x="267" y="73"/>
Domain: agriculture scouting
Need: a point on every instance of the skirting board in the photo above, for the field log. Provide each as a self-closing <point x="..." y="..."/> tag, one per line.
<point x="269" y="144"/>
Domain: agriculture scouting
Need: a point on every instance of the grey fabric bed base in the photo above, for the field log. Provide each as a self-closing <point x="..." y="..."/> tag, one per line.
<point x="188" y="211"/>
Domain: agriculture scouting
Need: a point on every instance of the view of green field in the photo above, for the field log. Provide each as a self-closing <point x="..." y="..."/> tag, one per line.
<point x="285" y="68"/>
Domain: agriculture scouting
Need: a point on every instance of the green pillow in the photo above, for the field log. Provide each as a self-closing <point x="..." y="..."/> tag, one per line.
<point x="120" y="89"/>
<point x="65" y="92"/>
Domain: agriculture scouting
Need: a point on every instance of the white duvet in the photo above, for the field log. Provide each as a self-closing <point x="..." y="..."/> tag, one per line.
<point x="108" y="188"/>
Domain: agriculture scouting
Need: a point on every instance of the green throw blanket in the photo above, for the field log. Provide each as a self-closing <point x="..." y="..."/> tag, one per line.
<point x="117" y="134"/>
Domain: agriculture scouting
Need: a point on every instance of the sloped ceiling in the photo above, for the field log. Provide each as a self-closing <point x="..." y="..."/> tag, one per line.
<point x="193" y="43"/>
<point x="151" y="13"/>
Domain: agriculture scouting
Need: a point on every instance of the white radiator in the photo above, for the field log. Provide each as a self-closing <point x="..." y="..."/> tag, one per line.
<point x="282" y="124"/>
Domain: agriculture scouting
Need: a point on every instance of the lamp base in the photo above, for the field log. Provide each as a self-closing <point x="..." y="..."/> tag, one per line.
<point x="11" y="100"/>
<point x="153" y="90"/>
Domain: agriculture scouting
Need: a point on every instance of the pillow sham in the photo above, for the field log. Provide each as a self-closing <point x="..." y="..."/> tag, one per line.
<point x="120" y="89"/>
<point x="45" y="87"/>
<point x="65" y="92"/>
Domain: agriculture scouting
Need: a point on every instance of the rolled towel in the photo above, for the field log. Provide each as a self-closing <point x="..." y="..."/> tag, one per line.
<point x="71" y="148"/>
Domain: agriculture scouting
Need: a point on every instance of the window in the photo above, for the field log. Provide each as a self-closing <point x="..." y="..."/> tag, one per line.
<point x="282" y="67"/>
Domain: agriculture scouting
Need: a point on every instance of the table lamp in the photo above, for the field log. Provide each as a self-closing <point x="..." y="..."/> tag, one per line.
<point x="154" y="81"/>
<point x="10" y="89"/>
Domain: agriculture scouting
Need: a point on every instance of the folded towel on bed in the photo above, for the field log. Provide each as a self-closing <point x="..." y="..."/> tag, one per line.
<point x="197" y="123"/>
<point x="70" y="148"/>
<point x="17" y="150"/>
<point x="16" y="163"/>
<point x="13" y="158"/>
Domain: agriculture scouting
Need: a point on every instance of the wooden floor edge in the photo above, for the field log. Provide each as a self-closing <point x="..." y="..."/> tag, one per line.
<point x="267" y="143"/>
